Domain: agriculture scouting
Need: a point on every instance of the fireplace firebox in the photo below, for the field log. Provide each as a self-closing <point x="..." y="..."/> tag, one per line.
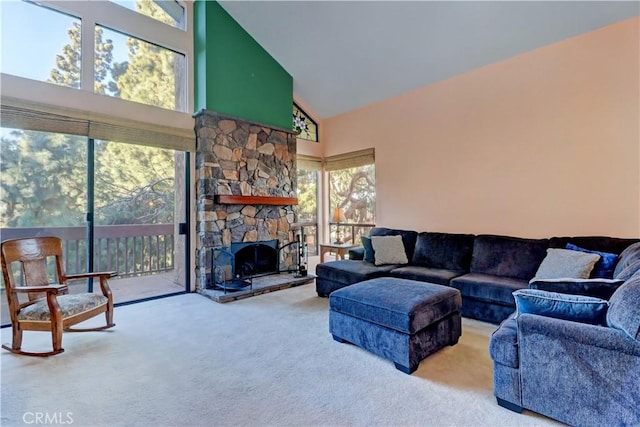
<point x="234" y="268"/>
<point x="253" y="259"/>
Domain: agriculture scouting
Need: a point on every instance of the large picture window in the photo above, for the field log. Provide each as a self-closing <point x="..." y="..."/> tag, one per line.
<point x="139" y="71"/>
<point x="31" y="43"/>
<point x="101" y="48"/>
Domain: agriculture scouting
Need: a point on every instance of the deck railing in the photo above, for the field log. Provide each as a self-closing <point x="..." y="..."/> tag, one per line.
<point x="349" y="232"/>
<point x="130" y="250"/>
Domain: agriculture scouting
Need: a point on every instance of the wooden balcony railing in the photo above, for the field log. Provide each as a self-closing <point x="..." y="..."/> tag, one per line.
<point x="130" y="250"/>
<point x="349" y="232"/>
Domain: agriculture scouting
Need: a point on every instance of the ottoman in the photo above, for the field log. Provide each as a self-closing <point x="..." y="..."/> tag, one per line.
<point x="398" y="319"/>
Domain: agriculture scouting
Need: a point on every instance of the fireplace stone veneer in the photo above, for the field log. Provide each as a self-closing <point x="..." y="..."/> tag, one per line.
<point x="236" y="157"/>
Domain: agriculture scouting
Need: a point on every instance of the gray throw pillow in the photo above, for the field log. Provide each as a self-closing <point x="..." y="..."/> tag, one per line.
<point x="566" y="263"/>
<point x="388" y="250"/>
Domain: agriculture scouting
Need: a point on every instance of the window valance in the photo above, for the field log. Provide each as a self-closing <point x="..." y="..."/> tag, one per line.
<point x="350" y="160"/>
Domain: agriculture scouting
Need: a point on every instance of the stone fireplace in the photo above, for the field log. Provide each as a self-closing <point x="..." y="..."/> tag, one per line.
<point x="246" y="188"/>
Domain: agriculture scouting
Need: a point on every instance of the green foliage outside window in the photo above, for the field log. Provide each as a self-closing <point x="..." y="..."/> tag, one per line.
<point x="354" y="191"/>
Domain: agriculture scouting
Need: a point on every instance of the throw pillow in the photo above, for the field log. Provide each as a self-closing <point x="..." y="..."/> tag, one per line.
<point x="388" y="250"/>
<point x="624" y="310"/>
<point x="369" y="254"/>
<point x="604" y="267"/>
<point x="566" y="263"/>
<point x="576" y="308"/>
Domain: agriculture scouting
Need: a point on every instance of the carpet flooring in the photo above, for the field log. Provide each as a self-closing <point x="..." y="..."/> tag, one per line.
<point x="263" y="361"/>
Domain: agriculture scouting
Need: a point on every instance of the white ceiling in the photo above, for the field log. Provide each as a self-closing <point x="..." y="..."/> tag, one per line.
<point x="346" y="54"/>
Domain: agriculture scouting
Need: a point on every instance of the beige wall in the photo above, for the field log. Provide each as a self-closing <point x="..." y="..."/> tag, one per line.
<point x="544" y="143"/>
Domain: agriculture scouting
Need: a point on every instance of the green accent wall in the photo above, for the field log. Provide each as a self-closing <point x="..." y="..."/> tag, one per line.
<point x="234" y="75"/>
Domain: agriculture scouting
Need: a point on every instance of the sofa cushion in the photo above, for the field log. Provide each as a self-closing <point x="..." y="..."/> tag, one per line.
<point x="438" y="276"/>
<point x="566" y="263"/>
<point x="388" y="250"/>
<point x="484" y="287"/>
<point x="605" y="265"/>
<point x="408" y="237"/>
<point x="624" y="308"/>
<point x="369" y="254"/>
<point x="349" y="271"/>
<point x="598" y="288"/>
<point x="503" y="345"/>
<point x="403" y="305"/>
<point x="507" y="256"/>
<point x="577" y="308"/>
<point x="444" y="250"/>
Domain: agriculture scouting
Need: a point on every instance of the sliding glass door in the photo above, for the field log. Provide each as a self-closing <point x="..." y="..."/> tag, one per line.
<point x="117" y="207"/>
<point x="138" y="205"/>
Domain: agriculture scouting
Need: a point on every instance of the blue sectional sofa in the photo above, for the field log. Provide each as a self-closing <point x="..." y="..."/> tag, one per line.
<point x="486" y="269"/>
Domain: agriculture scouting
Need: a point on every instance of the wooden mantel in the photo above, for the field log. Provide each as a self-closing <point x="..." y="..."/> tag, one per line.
<point x="224" y="199"/>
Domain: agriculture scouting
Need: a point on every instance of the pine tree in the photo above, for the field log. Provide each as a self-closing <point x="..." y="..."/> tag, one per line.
<point x="151" y="73"/>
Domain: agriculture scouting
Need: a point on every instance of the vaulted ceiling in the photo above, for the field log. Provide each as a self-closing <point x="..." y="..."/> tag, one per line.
<point x="347" y="54"/>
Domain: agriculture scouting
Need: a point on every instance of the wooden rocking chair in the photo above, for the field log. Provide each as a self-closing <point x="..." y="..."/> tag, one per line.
<point x="49" y="306"/>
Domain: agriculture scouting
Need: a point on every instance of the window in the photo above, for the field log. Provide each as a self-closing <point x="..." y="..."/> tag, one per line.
<point x="168" y="11"/>
<point x="32" y="41"/>
<point x="308" y="208"/>
<point x="130" y="68"/>
<point x="132" y="57"/>
<point x="304" y="125"/>
<point x="352" y="195"/>
<point x="30" y="198"/>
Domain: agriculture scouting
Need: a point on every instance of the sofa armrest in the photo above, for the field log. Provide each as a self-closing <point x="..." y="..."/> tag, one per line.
<point x="598" y="288"/>
<point x="577" y="373"/>
<point x="356" y="253"/>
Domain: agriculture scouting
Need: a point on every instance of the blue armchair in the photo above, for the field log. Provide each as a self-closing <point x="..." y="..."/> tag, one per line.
<point x="577" y="373"/>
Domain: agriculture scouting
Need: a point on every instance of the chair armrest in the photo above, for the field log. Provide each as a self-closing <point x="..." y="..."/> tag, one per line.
<point x="104" y="283"/>
<point x="598" y="288"/>
<point x="55" y="289"/>
<point x="79" y="276"/>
